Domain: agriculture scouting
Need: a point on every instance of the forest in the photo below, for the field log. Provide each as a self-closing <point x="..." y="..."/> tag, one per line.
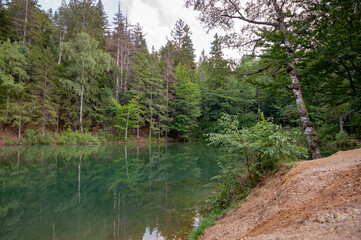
<point x="74" y="70"/>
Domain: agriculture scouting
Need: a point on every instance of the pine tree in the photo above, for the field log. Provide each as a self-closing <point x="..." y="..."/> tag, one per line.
<point x="121" y="49"/>
<point x="187" y="103"/>
<point x="27" y="21"/>
<point x="218" y="66"/>
<point x="141" y="73"/>
<point x="181" y="39"/>
<point x="43" y="104"/>
<point x="13" y="62"/>
<point x="6" y="25"/>
<point x="84" y="16"/>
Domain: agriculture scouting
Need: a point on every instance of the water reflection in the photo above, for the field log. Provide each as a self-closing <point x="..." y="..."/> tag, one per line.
<point x="103" y="192"/>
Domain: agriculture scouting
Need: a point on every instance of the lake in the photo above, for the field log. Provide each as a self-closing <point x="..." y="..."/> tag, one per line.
<point x="104" y="192"/>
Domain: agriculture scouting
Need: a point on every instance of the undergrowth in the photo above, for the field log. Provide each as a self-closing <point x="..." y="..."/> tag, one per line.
<point x="249" y="154"/>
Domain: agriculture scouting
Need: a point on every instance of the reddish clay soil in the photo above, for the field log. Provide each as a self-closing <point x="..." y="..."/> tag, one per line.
<point x="319" y="199"/>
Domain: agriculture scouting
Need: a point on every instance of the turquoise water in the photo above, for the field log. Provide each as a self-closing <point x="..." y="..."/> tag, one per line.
<point x="103" y="192"/>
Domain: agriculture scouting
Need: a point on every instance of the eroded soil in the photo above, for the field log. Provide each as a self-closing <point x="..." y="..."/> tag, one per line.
<point x="319" y="199"/>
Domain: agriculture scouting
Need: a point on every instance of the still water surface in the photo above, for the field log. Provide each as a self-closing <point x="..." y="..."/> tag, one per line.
<point x="103" y="192"/>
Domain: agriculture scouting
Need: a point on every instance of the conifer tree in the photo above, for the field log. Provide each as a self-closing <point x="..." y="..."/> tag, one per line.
<point x="26" y="17"/>
<point x="121" y="48"/>
<point x="182" y="42"/>
<point x="13" y="62"/>
<point x="44" y="108"/>
<point x="187" y="103"/>
<point x="5" y="22"/>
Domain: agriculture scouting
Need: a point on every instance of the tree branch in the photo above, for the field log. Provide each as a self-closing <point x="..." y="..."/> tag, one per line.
<point x="241" y="17"/>
<point x="254" y="73"/>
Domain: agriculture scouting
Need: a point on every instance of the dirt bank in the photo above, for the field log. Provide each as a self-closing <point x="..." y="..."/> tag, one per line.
<point x="319" y="199"/>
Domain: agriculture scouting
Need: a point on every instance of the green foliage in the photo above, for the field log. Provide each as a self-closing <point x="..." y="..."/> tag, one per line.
<point x="250" y="152"/>
<point x="208" y="221"/>
<point x="187" y="103"/>
<point x="126" y="116"/>
<point x="30" y="137"/>
<point x="70" y="138"/>
<point x="342" y="141"/>
<point x="13" y="64"/>
<point x="231" y="185"/>
<point x="85" y="61"/>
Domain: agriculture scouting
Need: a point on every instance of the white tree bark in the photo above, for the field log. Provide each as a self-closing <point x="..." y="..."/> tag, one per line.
<point x="307" y="125"/>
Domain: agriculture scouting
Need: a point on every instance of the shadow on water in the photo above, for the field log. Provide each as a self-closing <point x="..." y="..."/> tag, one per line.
<point x="103" y="192"/>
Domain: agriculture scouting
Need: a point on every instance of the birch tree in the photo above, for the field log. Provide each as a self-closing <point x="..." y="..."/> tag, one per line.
<point x="266" y="24"/>
<point x="84" y="61"/>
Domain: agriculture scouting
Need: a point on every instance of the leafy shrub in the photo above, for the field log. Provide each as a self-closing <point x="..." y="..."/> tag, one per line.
<point x="70" y="137"/>
<point x="30" y="137"/>
<point x="250" y="152"/>
<point x="9" y="141"/>
<point x="327" y="132"/>
<point x="231" y="185"/>
<point x="46" y="139"/>
<point x="105" y="136"/>
<point x="342" y="141"/>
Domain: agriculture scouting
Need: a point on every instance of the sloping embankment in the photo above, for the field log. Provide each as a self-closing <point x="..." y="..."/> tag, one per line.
<point x="319" y="199"/>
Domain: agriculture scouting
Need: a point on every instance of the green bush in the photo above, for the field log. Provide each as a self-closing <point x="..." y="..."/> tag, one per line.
<point x="106" y="137"/>
<point x="327" y="132"/>
<point x="30" y="137"/>
<point x="206" y="222"/>
<point x="8" y="141"/>
<point x="342" y="141"/>
<point x="69" y="138"/>
<point x="249" y="153"/>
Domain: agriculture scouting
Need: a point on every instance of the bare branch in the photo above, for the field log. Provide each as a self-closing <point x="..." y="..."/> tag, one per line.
<point x="254" y="73"/>
<point x="241" y="17"/>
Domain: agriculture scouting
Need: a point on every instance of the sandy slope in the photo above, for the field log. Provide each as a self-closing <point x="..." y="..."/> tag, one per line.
<point x="319" y="199"/>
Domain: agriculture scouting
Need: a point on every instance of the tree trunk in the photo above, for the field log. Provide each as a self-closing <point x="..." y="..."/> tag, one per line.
<point x="57" y="122"/>
<point x="340" y="117"/>
<point x="159" y="129"/>
<point x="308" y="129"/>
<point x="7" y="104"/>
<point x="20" y="119"/>
<point x="117" y="64"/>
<point x="81" y="102"/>
<point x="45" y="80"/>
<point x="26" y="19"/>
<point x="61" y="39"/>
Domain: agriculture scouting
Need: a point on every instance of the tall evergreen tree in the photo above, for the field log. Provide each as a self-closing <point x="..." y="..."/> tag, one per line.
<point x="84" y="16"/>
<point x="26" y="17"/>
<point x="13" y="62"/>
<point x="43" y="103"/>
<point x="187" y="103"/>
<point x="182" y="42"/>
<point x="6" y="24"/>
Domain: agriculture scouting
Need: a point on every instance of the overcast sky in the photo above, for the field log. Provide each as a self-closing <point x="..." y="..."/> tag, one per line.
<point x="157" y="17"/>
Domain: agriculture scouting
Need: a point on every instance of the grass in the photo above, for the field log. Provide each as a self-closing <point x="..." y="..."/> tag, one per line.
<point x="208" y="221"/>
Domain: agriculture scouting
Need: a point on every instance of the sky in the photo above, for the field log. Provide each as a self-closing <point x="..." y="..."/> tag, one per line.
<point x="157" y="17"/>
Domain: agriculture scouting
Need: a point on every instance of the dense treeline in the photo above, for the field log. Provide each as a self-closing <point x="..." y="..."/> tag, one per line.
<point x="60" y="70"/>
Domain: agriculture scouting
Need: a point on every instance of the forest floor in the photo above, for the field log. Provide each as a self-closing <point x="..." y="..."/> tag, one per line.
<point x="318" y="199"/>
